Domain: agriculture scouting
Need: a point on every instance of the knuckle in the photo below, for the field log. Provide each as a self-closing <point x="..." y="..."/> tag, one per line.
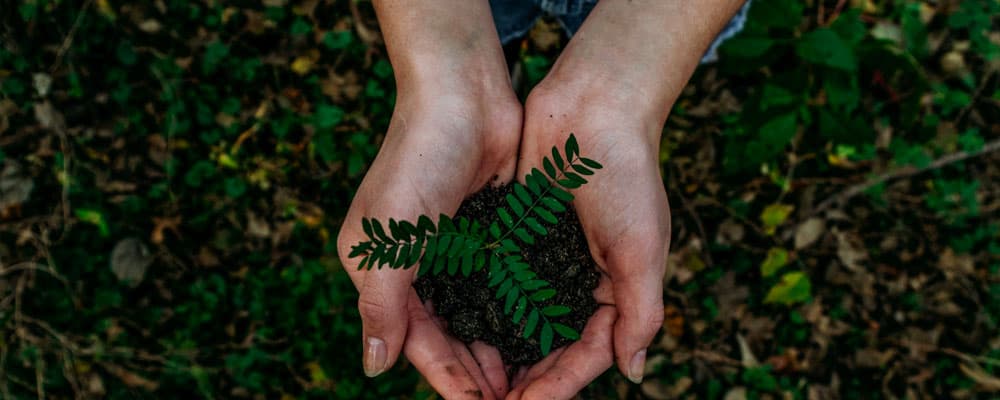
<point x="373" y="312"/>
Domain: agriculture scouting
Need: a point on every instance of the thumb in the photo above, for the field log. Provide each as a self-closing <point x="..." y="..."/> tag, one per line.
<point x="382" y="305"/>
<point x="638" y="292"/>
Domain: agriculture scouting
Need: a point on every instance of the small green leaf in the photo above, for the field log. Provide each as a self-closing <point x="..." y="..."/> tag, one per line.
<point x="359" y="249"/>
<point x="533" y="183"/>
<point x="569" y="183"/>
<point x="522" y="193"/>
<point x="467" y="264"/>
<point x="480" y="261"/>
<point x="774" y="215"/>
<point x="582" y="170"/>
<point x="495" y="231"/>
<point x="562" y="195"/>
<point x="529" y="327"/>
<point x="549" y="169"/>
<point x="453" y="264"/>
<point x="445" y="224"/>
<point x="496" y="278"/>
<point x="546" y="338"/>
<point x="793" y="288"/>
<point x="394" y="229"/>
<point x="508" y="246"/>
<point x="430" y="251"/>
<point x="504" y="288"/>
<point x="505" y="217"/>
<point x="524" y="276"/>
<point x="522" y="306"/>
<point x="553" y="205"/>
<point x="525" y="237"/>
<point x="404" y="254"/>
<point x="508" y="304"/>
<point x="572" y="148"/>
<point x="442" y="246"/>
<point x="424" y="222"/>
<point x="457" y="244"/>
<point x="566" y="332"/>
<point x="546" y="215"/>
<point x="366" y="225"/>
<point x="575" y="177"/>
<point x="591" y="163"/>
<point x="439" y="264"/>
<point x="557" y="158"/>
<point x="535" y="226"/>
<point x="534" y="285"/>
<point x="776" y="258"/>
<point x="555" y="311"/>
<point x="379" y="231"/>
<point x="363" y="261"/>
<point x="543" y="295"/>
<point x="515" y="205"/>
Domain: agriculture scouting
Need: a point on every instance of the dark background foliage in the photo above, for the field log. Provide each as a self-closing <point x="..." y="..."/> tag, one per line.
<point x="173" y="173"/>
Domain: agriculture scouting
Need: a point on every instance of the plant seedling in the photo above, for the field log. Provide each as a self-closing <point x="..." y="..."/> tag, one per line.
<point x="460" y="245"/>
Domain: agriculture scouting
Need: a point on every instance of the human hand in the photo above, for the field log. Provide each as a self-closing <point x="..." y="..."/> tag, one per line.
<point x="626" y="218"/>
<point x="443" y="144"/>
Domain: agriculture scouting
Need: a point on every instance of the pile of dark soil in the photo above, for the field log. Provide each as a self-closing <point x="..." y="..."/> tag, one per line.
<point x="562" y="258"/>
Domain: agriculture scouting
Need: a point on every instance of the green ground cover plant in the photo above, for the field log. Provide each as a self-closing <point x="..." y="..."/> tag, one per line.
<point x="172" y="174"/>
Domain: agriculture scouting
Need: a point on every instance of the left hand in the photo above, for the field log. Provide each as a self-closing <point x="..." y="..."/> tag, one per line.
<point x="625" y="215"/>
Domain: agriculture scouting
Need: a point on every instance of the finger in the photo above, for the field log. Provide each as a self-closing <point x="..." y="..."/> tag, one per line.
<point x="582" y="362"/>
<point x="472" y="367"/>
<point x="517" y="391"/>
<point x="492" y="366"/>
<point x="429" y="350"/>
<point x="638" y="295"/>
<point x="519" y="376"/>
<point x="383" y="308"/>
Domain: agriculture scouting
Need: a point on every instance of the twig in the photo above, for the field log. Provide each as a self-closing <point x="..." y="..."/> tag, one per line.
<point x="972" y="101"/>
<point x="68" y="40"/>
<point x="697" y="220"/>
<point x="903" y="172"/>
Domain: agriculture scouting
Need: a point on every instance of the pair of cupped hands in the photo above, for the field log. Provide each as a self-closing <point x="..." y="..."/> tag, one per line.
<point x="449" y="137"/>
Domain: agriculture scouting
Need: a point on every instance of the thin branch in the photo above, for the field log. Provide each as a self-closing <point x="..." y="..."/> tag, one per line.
<point x="903" y="172"/>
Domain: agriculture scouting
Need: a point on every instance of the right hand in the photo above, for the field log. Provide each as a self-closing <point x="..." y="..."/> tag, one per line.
<point x="444" y="143"/>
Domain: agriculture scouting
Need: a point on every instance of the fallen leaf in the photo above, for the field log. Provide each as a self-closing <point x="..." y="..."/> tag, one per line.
<point x="746" y="354"/>
<point x="129" y="261"/>
<point x="985" y="381"/>
<point x="15" y="185"/>
<point x="808" y="232"/>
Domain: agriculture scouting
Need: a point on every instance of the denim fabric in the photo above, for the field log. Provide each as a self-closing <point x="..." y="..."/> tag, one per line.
<point x="514" y="18"/>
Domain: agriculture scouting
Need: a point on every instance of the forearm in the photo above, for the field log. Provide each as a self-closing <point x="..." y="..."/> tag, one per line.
<point x="646" y="50"/>
<point x="444" y="44"/>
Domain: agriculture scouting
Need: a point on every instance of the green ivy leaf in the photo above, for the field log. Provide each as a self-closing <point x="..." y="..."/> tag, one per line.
<point x="557" y="158"/>
<point x="535" y="226"/>
<point x="522" y="306"/>
<point x="793" y="288"/>
<point x="545" y="215"/>
<point x="776" y="258"/>
<point x="522" y="193"/>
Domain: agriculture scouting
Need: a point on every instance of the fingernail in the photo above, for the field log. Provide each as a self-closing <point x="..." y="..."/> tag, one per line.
<point x="637" y="366"/>
<point x="374" y="357"/>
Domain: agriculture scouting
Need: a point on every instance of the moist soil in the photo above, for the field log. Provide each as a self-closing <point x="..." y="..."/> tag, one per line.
<point x="473" y="313"/>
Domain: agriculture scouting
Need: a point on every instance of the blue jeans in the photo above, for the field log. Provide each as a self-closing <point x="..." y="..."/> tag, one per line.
<point x="514" y="18"/>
